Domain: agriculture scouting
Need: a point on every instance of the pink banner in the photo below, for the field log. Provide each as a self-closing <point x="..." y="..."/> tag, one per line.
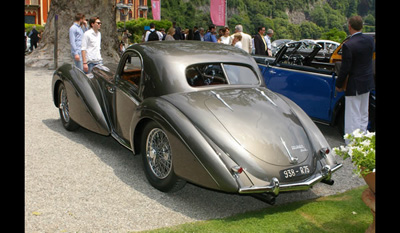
<point x="156" y="9"/>
<point x="217" y="12"/>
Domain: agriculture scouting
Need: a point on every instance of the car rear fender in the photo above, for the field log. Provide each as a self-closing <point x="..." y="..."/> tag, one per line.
<point x="84" y="98"/>
<point x="194" y="158"/>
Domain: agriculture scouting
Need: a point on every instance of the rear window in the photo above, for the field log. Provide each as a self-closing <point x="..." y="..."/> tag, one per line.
<point x="219" y="74"/>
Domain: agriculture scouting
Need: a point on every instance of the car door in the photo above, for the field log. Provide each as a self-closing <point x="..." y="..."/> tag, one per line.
<point x="127" y="98"/>
<point x="312" y="91"/>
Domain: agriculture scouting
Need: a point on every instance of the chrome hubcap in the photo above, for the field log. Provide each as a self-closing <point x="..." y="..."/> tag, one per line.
<point x="158" y="153"/>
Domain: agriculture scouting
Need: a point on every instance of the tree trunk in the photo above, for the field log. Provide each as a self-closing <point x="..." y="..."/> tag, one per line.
<point x="66" y="10"/>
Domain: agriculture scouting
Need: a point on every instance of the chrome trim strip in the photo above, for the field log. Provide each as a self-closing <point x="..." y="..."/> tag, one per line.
<point x="265" y="95"/>
<point x="292" y="160"/>
<point x="275" y="187"/>
<point x="222" y="100"/>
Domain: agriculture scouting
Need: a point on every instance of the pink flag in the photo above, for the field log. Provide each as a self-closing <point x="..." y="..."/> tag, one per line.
<point x="217" y="12"/>
<point x="156" y="9"/>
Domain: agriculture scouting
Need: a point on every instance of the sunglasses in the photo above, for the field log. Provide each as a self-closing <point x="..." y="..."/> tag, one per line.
<point x="99" y="23"/>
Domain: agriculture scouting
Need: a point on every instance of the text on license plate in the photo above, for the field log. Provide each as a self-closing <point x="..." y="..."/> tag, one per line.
<point x="295" y="171"/>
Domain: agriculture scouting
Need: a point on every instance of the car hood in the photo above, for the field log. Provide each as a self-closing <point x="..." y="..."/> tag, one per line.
<point x="253" y="119"/>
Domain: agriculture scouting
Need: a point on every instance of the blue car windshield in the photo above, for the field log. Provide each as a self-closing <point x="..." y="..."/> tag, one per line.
<point x="219" y="73"/>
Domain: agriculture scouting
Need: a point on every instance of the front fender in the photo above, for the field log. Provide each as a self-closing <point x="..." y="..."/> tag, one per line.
<point x="84" y="98"/>
<point x="194" y="159"/>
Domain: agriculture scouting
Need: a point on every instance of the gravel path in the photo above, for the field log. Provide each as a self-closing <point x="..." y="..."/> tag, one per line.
<point x="82" y="181"/>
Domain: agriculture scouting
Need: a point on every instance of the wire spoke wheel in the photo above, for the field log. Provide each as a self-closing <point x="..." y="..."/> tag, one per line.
<point x="64" y="105"/>
<point x="64" y="109"/>
<point x="158" y="153"/>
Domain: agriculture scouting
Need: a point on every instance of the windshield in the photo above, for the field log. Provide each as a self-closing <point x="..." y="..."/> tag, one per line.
<point x="219" y="73"/>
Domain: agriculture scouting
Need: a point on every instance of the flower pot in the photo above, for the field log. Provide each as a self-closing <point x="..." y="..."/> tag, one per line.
<point x="370" y="180"/>
<point x="369" y="199"/>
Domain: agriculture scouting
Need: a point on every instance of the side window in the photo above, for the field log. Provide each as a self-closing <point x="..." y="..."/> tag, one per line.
<point x="217" y="74"/>
<point x="205" y="74"/>
<point x="241" y="75"/>
<point x="132" y="69"/>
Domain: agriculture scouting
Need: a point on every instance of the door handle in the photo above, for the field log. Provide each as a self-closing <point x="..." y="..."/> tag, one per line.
<point x="272" y="72"/>
<point x="110" y="89"/>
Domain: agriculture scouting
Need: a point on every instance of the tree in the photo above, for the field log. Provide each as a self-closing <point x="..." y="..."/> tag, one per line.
<point x="319" y="17"/>
<point x="66" y="10"/>
<point x="136" y="27"/>
<point x="335" y="35"/>
<point x="310" y="30"/>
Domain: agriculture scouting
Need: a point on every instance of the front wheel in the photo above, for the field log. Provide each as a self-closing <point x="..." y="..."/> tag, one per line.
<point x="157" y="159"/>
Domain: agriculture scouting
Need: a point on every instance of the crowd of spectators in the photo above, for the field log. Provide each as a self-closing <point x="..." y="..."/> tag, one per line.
<point x="258" y="44"/>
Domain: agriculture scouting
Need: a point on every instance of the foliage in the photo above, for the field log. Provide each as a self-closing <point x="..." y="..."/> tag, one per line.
<point x="344" y="212"/>
<point x="310" y="30"/>
<point x="361" y="150"/>
<point x="136" y="27"/>
<point x="28" y="27"/>
<point x="335" y="35"/>
<point x="320" y="16"/>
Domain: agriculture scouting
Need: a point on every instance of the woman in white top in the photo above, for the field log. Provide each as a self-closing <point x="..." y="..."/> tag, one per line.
<point x="225" y="39"/>
<point x="237" y="37"/>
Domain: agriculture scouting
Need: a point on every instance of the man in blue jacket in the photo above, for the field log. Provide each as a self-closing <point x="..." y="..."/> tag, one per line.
<point x="209" y="36"/>
<point x="75" y="39"/>
<point x="357" y="71"/>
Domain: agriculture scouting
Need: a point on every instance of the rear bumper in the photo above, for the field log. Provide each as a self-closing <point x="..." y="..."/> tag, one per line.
<point x="275" y="187"/>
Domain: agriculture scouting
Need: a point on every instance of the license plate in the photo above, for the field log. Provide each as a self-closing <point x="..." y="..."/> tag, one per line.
<point x="294" y="171"/>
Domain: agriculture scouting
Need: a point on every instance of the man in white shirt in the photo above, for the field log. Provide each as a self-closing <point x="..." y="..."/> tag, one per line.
<point x="267" y="38"/>
<point x="153" y="30"/>
<point x="246" y="39"/>
<point x="91" y="45"/>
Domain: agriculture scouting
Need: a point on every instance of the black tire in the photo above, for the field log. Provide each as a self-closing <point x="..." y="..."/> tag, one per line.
<point x="157" y="159"/>
<point x="66" y="120"/>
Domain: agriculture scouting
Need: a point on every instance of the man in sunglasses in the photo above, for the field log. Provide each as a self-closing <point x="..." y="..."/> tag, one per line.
<point x="91" y="45"/>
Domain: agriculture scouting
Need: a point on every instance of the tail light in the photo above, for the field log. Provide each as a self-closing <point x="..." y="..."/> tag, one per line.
<point x="237" y="169"/>
<point x="324" y="151"/>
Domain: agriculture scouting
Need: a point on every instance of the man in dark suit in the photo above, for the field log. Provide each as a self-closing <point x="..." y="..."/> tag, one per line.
<point x="34" y="35"/>
<point x="357" y="66"/>
<point x="196" y="33"/>
<point x="260" y="44"/>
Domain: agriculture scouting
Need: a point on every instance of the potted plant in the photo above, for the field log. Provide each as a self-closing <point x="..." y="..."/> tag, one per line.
<point x="361" y="150"/>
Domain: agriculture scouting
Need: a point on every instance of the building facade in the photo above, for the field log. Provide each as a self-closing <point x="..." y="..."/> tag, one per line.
<point x="36" y="11"/>
<point x="137" y="9"/>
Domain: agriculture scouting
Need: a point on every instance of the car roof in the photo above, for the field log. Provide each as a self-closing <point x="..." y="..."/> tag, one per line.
<point x="198" y="51"/>
<point x="166" y="61"/>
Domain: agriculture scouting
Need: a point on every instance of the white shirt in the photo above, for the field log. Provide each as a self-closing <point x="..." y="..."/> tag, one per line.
<point x="226" y="40"/>
<point x="268" y="41"/>
<point x="239" y="45"/>
<point x="160" y="35"/>
<point x="91" y="43"/>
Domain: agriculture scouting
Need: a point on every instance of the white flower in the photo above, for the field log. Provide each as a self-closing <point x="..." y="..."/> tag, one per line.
<point x="365" y="143"/>
<point x="370" y="134"/>
<point x="358" y="133"/>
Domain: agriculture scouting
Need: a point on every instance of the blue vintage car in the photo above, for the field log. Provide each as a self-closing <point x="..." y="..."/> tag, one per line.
<point x="308" y="83"/>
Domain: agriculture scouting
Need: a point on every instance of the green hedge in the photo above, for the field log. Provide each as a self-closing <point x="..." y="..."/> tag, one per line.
<point x="136" y="27"/>
<point x="28" y="27"/>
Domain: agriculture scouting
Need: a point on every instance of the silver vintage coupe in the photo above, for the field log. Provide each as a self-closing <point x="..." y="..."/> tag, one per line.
<point x="198" y="112"/>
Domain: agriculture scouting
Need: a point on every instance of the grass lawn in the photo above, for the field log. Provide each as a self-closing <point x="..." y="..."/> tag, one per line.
<point x="345" y="212"/>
